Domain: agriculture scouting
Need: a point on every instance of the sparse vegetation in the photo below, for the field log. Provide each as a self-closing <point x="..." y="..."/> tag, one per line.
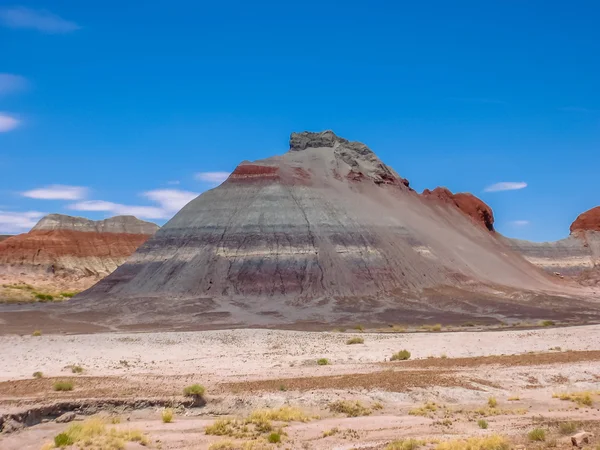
<point x="274" y="438"/>
<point x="68" y="294"/>
<point x="355" y="340"/>
<point x="36" y="333"/>
<point x="359" y="328"/>
<point x="537" y="435"/>
<point x="581" y="398"/>
<point x="426" y="410"/>
<point x="492" y="402"/>
<point x="167" y="415"/>
<point x="482" y="423"/>
<point x="514" y="398"/>
<point x="331" y="432"/>
<point x="547" y="323"/>
<point x="93" y="433"/>
<point x="556" y="349"/>
<point x="349" y="408"/>
<point x="402" y="355"/>
<point x="62" y="386"/>
<point x="194" y="390"/>
<point x="38" y="374"/>
<point x="408" y="444"/>
<point x="76" y="369"/>
<point x="436" y="327"/>
<point x="568" y="427"/>
<point x="493" y="442"/>
<point x="323" y="362"/>
<point x="44" y="297"/>
<point x="283" y="414"/>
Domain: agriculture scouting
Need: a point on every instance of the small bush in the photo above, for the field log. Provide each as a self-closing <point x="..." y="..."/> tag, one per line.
<point x="402" y="355"/>
<point x="567" y="427"/>
<point x="167" y="415"/>
<point x="44" y="297"/>
<point x="547" y="323"/>
<point x="68" y="294"/>
<point x="355" y="340"/>
<point x="581" y="398"/>
<point x="349" y="408"/>
<point x="38" y="374"/>
<point x="492" y="402"/>
<point x="76" y="369"/>
<point x="331" y="432"/>
<point x="425" y="410"/>
<point x="494" y="442"/>
<point x="537" y="435"/>
<point x="62" y="386"/>
<point x="62" y="440"/>
<point x="322" y="362"/>
<point x="274" y="438"/>
<point x="36" y="333"/>
<point x="408" y="444"/>
<point x="194" y="389"/>
<point x="482" y="423"/>
<point x="359" y="328"/>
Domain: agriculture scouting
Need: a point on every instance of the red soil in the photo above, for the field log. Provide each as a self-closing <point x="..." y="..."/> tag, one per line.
<point x="588" y="221"/>
<point x="470" y="205"/>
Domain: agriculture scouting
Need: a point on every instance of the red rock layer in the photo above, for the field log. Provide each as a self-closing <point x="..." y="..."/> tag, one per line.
<point x="470" y="205"/>
<point x="588" y="221"/>
<point x="42" y="247"/>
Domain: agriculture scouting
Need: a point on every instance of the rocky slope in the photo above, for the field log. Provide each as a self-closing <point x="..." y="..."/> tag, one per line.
<point x="69" y="253"/>
<point x="326" y="233"/>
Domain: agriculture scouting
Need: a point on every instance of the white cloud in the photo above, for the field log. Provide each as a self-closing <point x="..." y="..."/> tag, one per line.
<point x="506" y="186"/>
<point x="40" y="20"/>
<point x="10" y="83"/>
<point x="7" y="123"/>
<point x="170" y="201"/>
<point x="18" y="222"/>
<point x="520" y="223"/>
<point x="212" y="177"/>
<point x="57" y="192"/>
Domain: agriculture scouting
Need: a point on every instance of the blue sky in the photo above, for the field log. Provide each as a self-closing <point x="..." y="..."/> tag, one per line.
<point x="130" y="108"/>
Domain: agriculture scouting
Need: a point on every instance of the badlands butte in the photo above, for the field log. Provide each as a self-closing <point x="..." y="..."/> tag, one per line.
<point x="323" y="235"/>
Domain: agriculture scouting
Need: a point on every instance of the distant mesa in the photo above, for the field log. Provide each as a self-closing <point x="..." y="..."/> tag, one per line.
<point x="328" y="233"/>
<point x="71" y="253"/>
<point x="588" y="221"/>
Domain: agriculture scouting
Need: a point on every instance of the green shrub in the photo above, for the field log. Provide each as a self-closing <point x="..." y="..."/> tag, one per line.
<point x="62" y="440"/>
<point x="402" y="355"/>
<point x="274" y="438"/>
<point x="568" y="427"/>
<point x="36" y="333"/>
<point x="167" y="415"/>
<point x="194" y="389"/>
<point x="355" y="340"/>
<point x="323" y="362"/>
<point x="537" y="434"/>
<point x="63" y="386"/>
<point x="68" y="294"/>
<point x="492" y="402"/>
<point x="482" y="423"/>
<point x="547" y="323"/>
<point x="38" y="374"/>
<point x="76" y="369"/>
<point x="44" y="297"/>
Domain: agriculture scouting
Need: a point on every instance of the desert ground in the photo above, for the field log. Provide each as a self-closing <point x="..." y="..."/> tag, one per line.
<point x="496" y="386"/>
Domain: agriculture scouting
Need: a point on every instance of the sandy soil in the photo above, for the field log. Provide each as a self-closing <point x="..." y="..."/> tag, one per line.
<point x="248" y="369"/>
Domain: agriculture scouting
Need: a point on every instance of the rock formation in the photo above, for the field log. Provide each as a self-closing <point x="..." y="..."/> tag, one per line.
<point x="326" y="233"/>
<point x="588" y="221"/>
<point x="69" y="253"/>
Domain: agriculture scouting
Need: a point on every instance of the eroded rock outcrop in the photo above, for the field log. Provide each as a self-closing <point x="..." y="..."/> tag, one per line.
<point x="588" y="221"/>
<point x="324" y="233"/>
<point x="72" y="253"/>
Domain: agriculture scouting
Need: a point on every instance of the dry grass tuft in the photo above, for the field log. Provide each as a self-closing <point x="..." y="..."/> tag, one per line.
<point x="167" y="415"/>
<point x="426" y="410"/>
<point x="38" y="375"/>
<point x="492" y="402"/>
<point x="194" y="389"/>
<point x="408" y="444"/>
<point x="493" y="442"/>
<point x="93" y="433"/>
<point x="36" y="333"/>
<point x="63" y="386"/>
<point x="568" y="427"/>
<point x="581" y="398"/>
<point x="537" y="435"/>
<point x="402" y="355"/>
<point x="355" y="340"/>
<point x="436" y="327"/>
<point x="349" y="408"/>
<point x="323" y="362"/>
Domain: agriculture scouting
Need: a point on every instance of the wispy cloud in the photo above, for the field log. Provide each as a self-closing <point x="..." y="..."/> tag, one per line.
<point x="169" y="201"/>
<point x="10" y="83"/>
<point x="173" y="182"/>
<point x="506" y="186"/>
<point x="8" y="123"/>
<point x="57" y="192"/>
<point x="18" y="222"/>
<point x="519" y="223"/>
<point x="212" y="177"/>
<point x="578" y="109"/>
<point x="40" y="20"/>
<point x="142" y="212"/>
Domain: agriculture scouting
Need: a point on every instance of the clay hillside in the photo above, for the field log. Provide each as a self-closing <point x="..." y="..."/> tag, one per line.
<point x="576" y="256"/>
<point x="327" y="233"/>
<point x="62" y="254"/>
